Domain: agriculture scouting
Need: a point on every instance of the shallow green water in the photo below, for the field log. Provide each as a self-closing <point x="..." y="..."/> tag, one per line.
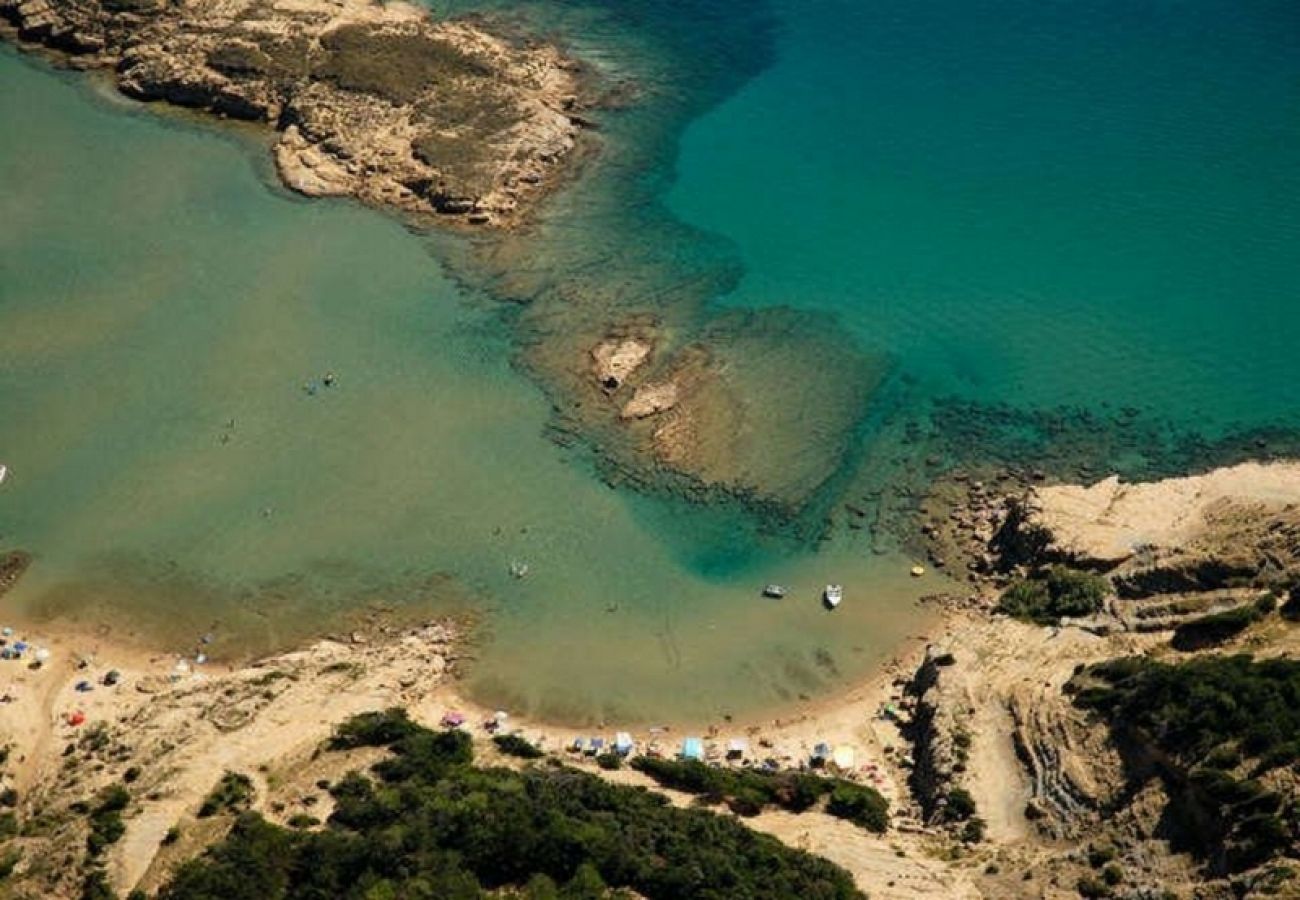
<point x="155" y="291"/>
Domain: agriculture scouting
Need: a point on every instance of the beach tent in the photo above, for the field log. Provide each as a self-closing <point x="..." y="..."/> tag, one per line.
<point x="737" y="748"/>
<point x="821" y="753"/>
<point x="692" y="748"/>
<point x="579" y="744"/>
<point x="623" y="743"/>
<point x="596" y="745"/>
<point x="844" y="757"/>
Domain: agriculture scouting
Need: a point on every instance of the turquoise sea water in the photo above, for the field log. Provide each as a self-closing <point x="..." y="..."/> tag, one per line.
<point x="1025" y="204"/>
<point x="1028" y="202"/>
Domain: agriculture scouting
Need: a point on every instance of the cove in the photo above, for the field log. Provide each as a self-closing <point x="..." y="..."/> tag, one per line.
<point x="162" y="312"/>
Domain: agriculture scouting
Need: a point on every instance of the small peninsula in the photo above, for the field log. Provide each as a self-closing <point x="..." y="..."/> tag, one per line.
<point x="374" y="101"/>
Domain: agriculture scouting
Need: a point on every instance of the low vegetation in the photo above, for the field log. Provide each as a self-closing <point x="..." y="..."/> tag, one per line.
<point x="515" y="745"/>
<point x="1216" y="628"/>
<point x="426" y="823"/>
<point x="747" y="792"/>
<point x="233" y="793"/>
<point x="395" y="66"/>
<point x="1226" y="731"/>
<point x="1046" y="598"/>
<point x="105" y="817"/>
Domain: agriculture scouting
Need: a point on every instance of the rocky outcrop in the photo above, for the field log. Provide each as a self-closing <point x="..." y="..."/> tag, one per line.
<point x="939" y="737"/>
<point x="1235" y="528"/>
<point x="615" y="359"/>
<point x="372" y="101"/>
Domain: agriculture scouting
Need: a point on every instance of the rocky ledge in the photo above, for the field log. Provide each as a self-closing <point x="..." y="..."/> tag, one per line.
<point x="370" y="100"/>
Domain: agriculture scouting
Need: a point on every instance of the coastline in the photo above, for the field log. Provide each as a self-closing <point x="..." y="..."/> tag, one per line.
<point x="1039" y="771"/>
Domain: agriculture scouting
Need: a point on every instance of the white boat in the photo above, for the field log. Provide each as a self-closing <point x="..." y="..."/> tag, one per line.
<point x="832" y="596"/>
<point x="518" y="569"/>
<point x="775" y="591"/>
<point x="4" y="473"/>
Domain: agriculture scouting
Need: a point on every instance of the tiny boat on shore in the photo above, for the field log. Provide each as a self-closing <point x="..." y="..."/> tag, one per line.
<point x="775" y="591"/>
<point x="832" y="596"/>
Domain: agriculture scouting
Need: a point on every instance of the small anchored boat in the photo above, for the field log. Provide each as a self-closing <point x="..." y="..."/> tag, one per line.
<point x="4" y="473"/>
<point x="518" y="569"/>
<point x="775" y="591"/>
<point x="832" y="596"/>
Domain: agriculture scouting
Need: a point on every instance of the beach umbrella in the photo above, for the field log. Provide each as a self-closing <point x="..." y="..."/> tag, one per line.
<point x="844" y="757"/>
<point x="20" y="646"/>
<point x="42" y="654"/>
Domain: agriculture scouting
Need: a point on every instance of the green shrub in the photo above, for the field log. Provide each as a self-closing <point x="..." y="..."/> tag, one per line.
<point x="1207" y="631"/>
<point x="516" y="745"/>
<point x="1100" y="854"/>
<point x="1112" y="875"/>
<point x="861" y="805"/>
<point x="373" y="729"/>
<point x="1061" y="592"/>
<point x="793" y="791"/>
<point x="961" y="805"/>
<point x="609" y="761"/>
<point x="9" y="860"/>
<point x="973" y="831"/>
<point x="397" y="67"/>
<point x="1091" y="887"/>
<point x="106" y="825"/>
<point x="234" y="792"/>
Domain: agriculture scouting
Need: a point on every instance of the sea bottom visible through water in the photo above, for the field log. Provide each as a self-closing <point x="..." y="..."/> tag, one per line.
<point x="1059" y="234"/>
<point x="177" y="465"/>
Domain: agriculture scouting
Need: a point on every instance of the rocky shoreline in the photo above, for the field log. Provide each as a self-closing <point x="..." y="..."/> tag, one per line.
<point x="445" y="121"/>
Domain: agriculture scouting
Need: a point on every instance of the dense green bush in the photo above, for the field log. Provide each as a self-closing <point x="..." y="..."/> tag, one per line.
<point x="434" y="826"/>
<point x="1045" y="599"/>
<point x="1208" y="717"/>
<point x="861" y="805"/>
<point x="609" y="761"/>
<point x="1207" y="631"/>
<point x="748" y="791"/>
<point x="960" y="806"/>
<point x="373" y="729"/>
<point x="232" y="793"/>
<point x="515" y="745"/>
<point x="106" y="826"/>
